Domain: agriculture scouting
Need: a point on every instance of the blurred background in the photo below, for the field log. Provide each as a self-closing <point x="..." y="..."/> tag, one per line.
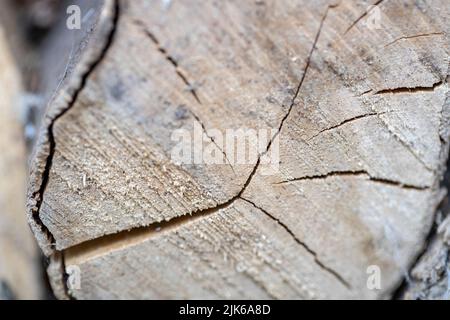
<point x="25" y="27"/>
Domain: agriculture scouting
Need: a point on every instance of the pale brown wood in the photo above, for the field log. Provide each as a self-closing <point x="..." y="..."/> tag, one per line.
<point x="19" y="259"/>
<point x="360" y="114"/>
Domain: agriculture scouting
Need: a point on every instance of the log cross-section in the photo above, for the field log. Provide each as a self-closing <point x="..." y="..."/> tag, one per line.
<point x="355" y="99"/>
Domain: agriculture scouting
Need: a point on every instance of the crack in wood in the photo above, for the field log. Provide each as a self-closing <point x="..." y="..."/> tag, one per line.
<point x="196" y="117"/>
<point x="414" y="36"/>
<point x="302" y="244"/>
<point x="169" y="58"/>
<point x="376" y="4"/>
<point x="346" y="121"/>
<point x="401" y="141"/>
<point x="127" y="238"/>
<point x="410" y="89"/>
<point x="184" y="78"/>
<point x="137" y="232"/>
<point x="250" y="177"/>
<point x="363" y="93"/>
<point x="350" y="173"/>
<point x="302" y="79"/>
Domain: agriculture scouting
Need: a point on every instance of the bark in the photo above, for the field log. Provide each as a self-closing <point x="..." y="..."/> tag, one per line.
<point x="359" y="112"/>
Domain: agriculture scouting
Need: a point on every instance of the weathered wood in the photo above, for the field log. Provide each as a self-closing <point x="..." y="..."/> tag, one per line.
<point x="360" y="113"/>
<point x="430" y="276"/>
<point x="19" y="268"/>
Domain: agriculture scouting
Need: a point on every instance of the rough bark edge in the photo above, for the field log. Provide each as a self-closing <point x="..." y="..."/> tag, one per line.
<point x="62" y="101"/>
<point x="57" y="276"/>
<point x="411" y="287"/>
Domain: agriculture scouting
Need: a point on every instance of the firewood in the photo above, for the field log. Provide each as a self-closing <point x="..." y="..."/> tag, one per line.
<point x="352" y="98"/>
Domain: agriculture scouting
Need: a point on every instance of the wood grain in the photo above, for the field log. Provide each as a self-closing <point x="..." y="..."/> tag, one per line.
<point x="360" y="113"/>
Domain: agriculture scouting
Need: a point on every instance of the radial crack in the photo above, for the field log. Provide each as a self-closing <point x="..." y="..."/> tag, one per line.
<point x="363" y="93"/>
<point x="110" y="242"/>
<point x="171" y="59"/>
<point x="191" y="89"/>
<point x="401" y="141"/>
<point x="363" y="15"/>
<point x="212" y="139"/>
<point x="411" y="89"/>
<point x="350" y="173"/>
<point x="415" y="36"/>
<point x="362" y="116"/>
<point x="302" y="79"/>
<point x="302" y="244"/>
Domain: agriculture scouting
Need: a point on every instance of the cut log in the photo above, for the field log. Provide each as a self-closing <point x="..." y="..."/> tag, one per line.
<point x="19" y="259"/>
<point x="354" y="99"/>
